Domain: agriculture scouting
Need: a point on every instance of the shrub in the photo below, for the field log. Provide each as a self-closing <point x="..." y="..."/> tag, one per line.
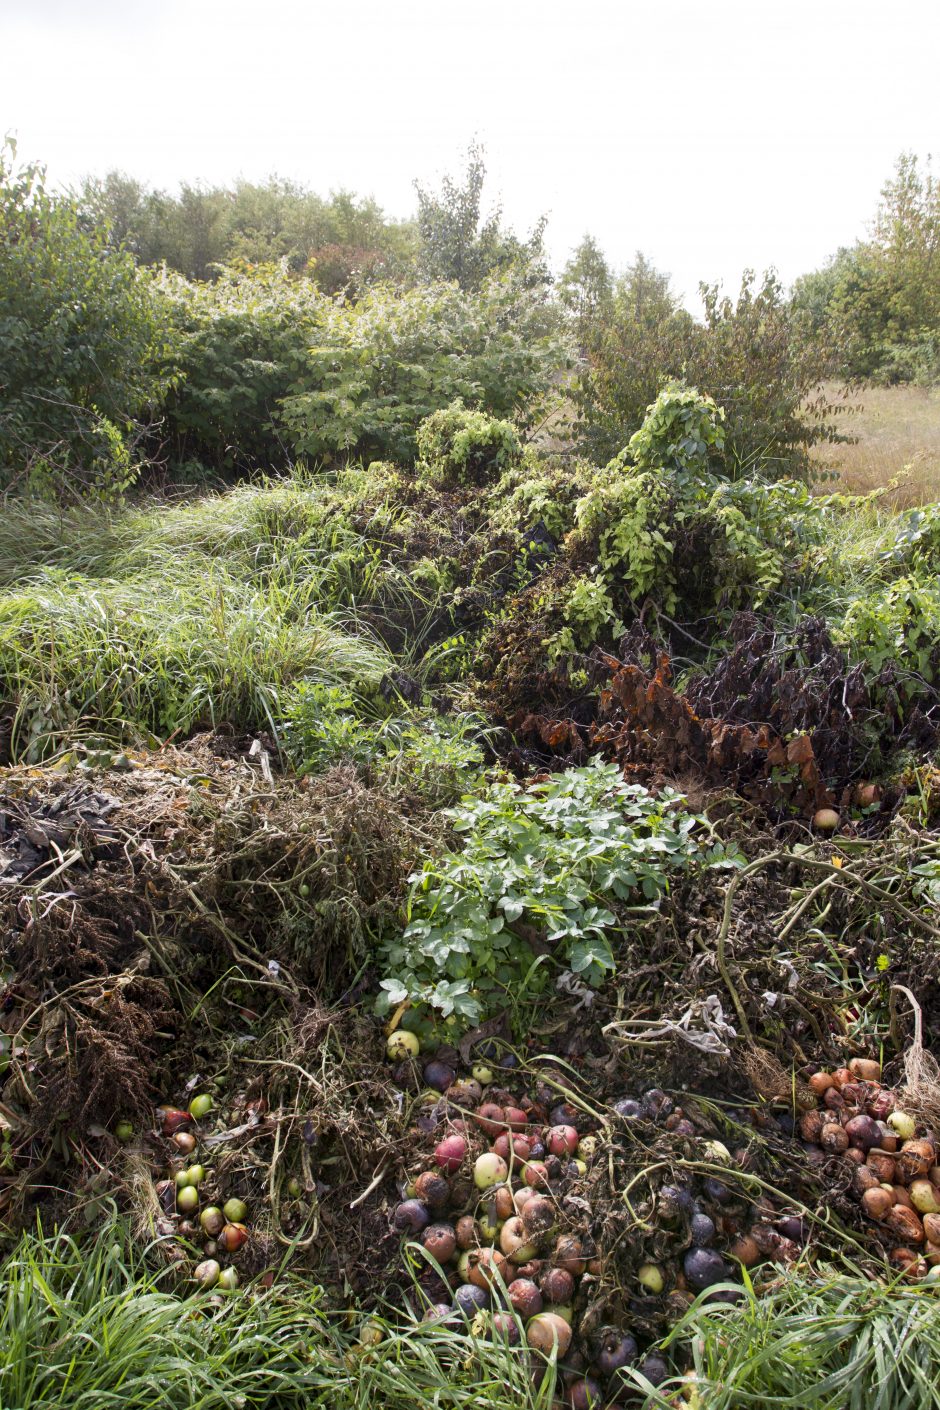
<point x="459" y="446"/>
<point x="241" y="344"/>
<point x="81" y="336"/>
<point x="382" y="366"/>
<point x="682" y="431"/>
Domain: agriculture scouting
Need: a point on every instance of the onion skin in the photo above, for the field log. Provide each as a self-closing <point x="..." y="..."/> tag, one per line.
<point x="863" y="1132"/>
<point x="820" y="1082"/>
<point x="504" y="1205"/>
<point x="865" y="1069"/>
<point x="834" y="1139"/>
<point x="175" y="1120"/>
<point x="811" y="1124"/>
<point x="901" y="1196"/>
<point x="932" y="1227"/>
<point x="883" y="1166"/>
<point x="924" y="1196"/>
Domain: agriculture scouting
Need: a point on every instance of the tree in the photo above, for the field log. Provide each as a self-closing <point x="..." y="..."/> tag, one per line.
<point x="586" y="290"/>
<point x="458" y="243"/>
<point x="82" y="336"/>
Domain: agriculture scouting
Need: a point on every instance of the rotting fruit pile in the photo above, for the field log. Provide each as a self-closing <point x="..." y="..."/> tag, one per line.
<point x="896" y="1175"/>
<point x="502" y="1209"/>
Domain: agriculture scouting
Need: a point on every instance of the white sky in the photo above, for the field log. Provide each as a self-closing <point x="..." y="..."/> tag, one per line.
<point x="711" y="135"/>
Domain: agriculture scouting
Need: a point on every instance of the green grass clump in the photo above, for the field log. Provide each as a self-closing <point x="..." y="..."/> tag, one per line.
<point x="844" y="1342"/>
<point x="86" y="1323"/>
<point x="193" y="646"/>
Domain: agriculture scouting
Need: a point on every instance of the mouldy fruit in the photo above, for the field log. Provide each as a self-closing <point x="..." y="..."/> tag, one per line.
<point x="702" y="1230"/>
<point x="519" y="1149"/>
<point x="745" y="1250"/>
<point x="548" y="1330"/>
<point x="465" y="1092"/>
<point x="538" y="1216"/>
<point x="616" y="1350"/>
<point x="432" y="1189"/>
<point x="487" y="1265"/>
<point x="863" y="1132"/>
<point x="516" y="1241"/>
<point x="467" y="1232"/>
<point x="924" y="1197"/>
<point x="440" y="1242"/>
<point x="557" y="1285"/>
<point x="703" y="1268"/>
<point x="628" y="1108"/>
<point x="488" y="1170"/>
<point x="185" y="1142"/>
<point x="524" y="1298"/>
<point x="450" y="1153"/>
<point x="504" y="1205"/>
<point x="411" y="1217"/>
<point x="569" y="1254"/>
<point x="865" y="1069"/>
<point x="402" y="1045"/>
<point x="834" y="1139"/>
<point x="535" y="1174"/>
<point x="825" y="820"/>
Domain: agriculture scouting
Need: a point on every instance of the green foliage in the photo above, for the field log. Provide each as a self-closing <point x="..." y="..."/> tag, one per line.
<point x="416" y="751"/>
<point x="899" y="624"/>
<point x="586" y="290"/>
<point x="878" y="303"/>
<point x="240" y="345"/>
<point x="339" y="241"/>
<point x="683" y="431"/>
<point x="544" y="873"/>
<point x="164" y="652"/>
<point x="460" y="446"/>
<point x="82" y="335"/>
<point x="380" y="367"/>
<point x="458" y="244"/>
<point x="755" y="356"/>
<point x="839" y="1341"/>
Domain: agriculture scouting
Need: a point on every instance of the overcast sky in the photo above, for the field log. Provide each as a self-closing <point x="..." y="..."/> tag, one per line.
<point x="711" y="136"/>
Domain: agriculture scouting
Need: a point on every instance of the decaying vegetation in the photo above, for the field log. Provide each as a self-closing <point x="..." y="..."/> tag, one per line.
<point x="468" y="903"/>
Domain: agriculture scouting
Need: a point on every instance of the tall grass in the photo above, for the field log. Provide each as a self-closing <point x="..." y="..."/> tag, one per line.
<point x="191" y="646"/>
<point x="840" y="1342"/>
<point x="86" y="1324"/>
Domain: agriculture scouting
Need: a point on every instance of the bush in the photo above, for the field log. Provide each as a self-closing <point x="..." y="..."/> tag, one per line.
<point x="458" y="446"/>
<point x="755" y="356"/>
<point x="382" y="366"/>
<point x="82" y="335"/>
<point x="241" y="344"/>
<point x="682" y="431"/>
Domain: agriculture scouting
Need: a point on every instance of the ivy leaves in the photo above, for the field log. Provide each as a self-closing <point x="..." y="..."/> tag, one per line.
<point x="546" y="876"/>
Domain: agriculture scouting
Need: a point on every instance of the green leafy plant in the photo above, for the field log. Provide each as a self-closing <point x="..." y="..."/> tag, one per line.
<point x="461" y="446"/>
<point x="544" y="875"/>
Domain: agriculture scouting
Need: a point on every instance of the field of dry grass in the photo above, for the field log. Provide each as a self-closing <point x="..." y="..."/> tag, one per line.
<point x="898" y="430"/>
